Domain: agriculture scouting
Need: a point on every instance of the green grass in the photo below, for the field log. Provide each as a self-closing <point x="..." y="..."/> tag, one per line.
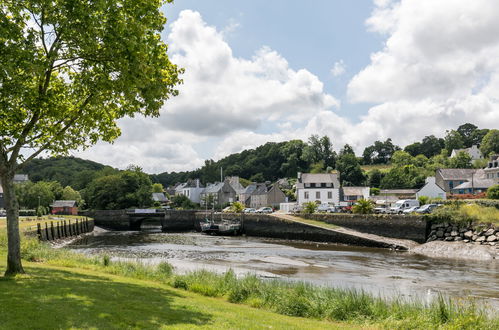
<point x="382" y="167"/>
<point x="464" y="213"/>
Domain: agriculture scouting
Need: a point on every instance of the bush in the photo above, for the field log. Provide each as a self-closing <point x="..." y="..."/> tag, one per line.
<point x="237" y="207"/>
<point x="363" y="206"/>
<point x="493" y="192"/>
<point x="309" y="207"/>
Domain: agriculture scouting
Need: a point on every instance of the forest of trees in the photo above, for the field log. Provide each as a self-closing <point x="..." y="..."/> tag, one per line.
<point x="381" y="165"/>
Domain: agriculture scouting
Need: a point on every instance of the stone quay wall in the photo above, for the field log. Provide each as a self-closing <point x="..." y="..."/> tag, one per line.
<point x="411" y="227"/>
<point x="469" y="233"/>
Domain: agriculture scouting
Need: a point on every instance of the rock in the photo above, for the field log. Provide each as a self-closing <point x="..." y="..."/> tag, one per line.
<point x="493" y="243"/>
<point x="440" y="233"/>
<point x="490" y="232"/>
<point x="454" y="233"/>
<point x="458" y="239"/>
<point x="454" y="228"/>
<point x="434" y="226"/>
<point x="447" y="234"/>
<point x="432" y="238"/>
<point x="492" y="238"/>
<point x="448" y="229"/>
<point x="466" y="241"/>
<point x="463" y="230"/>
<point x="449" y="238"/>
<point x="475" y="236"/>
<point x="481" y="239"/>
<point x="468" y="234"/>
<point x="433" y="232"/>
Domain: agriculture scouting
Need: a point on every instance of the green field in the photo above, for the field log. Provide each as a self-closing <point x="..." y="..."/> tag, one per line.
<point x="382" y="167"/>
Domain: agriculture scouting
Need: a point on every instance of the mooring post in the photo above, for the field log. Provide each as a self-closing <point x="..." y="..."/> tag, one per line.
<point x="39" y="231"/>
<point x="47" y="232"/>
<point x="52" y="231"/>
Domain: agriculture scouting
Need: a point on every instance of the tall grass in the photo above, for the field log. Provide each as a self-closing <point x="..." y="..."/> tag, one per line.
<point x="461" y="213"/>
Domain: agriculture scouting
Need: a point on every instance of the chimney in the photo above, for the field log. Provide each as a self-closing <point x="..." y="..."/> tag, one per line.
<point x="299" y="176"/>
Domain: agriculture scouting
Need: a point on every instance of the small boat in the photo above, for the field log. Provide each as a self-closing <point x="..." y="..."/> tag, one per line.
<point x="222" y="227"/>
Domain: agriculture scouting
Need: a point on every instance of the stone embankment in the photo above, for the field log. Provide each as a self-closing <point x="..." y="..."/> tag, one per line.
<point x="483" y="235"/>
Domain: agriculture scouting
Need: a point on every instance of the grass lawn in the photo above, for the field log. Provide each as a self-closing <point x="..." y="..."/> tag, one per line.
<point x="56" y="297"/>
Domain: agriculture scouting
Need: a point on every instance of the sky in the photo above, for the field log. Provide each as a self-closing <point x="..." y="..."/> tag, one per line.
<point x="358" y="71"/>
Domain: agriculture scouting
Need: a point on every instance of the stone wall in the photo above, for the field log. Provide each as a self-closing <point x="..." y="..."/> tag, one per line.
<point x="411" y="227"/>
<point x="110" y="219"/>
<point x="468" y="233"/>
<point x="176" y="221"/>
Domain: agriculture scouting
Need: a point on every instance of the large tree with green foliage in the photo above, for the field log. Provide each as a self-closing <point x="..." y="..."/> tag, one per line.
<point x="69" y="70"/>
<point x="490" y="143"/>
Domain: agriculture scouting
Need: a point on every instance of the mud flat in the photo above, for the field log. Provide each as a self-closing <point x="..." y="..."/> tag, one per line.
<point x="457" y="250"/>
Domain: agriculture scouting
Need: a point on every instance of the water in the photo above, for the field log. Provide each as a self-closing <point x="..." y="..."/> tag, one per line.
<point x="379" y="271"/>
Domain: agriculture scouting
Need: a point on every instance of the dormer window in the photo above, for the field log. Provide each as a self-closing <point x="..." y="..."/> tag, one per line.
<point x="312" y="185"/>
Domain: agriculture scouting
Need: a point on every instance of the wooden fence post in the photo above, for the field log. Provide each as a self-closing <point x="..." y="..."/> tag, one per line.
<point x="39" y="231"/>
<point x="47" y="232"/>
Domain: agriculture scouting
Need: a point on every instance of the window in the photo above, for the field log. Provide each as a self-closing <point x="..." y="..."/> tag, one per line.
<point x="306" y="195"/>
<point x="307" y="185"/>
<point x="451" y="184"/>
<point x="312" y="185"/>
<point x="323" y="185"/>
<point x="330" y="195"/>
<point x="318" y="194"/>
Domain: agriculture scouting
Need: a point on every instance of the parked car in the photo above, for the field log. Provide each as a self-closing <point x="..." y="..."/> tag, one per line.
<point x="402" y="205"/>
<point x="332" y="209"/>
<point x="249" y="210"/>
<point x="410" y="210"/>
<point x="325" y="207"/>
<point x="344" y="209"/>
<point x="265" y="210"/>
<point x="427" y="208"/>
<point x="380" y="210"/>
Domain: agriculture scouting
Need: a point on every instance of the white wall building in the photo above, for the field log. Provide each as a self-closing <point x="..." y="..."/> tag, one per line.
<point x="322" y="188"/>
<point x="431" y="189"/>
<point x="192" y="189"/>
<point x="473" y="151"/>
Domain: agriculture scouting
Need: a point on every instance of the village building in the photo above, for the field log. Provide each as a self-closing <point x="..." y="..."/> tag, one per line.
<point x="449" y="178"/>
<point x="472" y="151"/>
<point x="323" y="188"/>
<point x="64" y="207"/>
<point x="218" y="194"/>
<point x="350" y="195"/>
<point x="431" y="189"/>
<point x="192" y="189"/>
<point x="275" y="196"/>
<point x="245" y="196"/>
<point x="159" y="198"/>
<point x="479" y="183"/>
<point x="492" y="169"/>
<point x="259" y="196"/>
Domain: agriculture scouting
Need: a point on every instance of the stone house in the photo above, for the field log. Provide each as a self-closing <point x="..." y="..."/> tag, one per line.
<point x="259" y="196"/>
<point x="449" y="178"/>
<point x="321" y="188"/>
<point x="275" y="196"/>
<point x="220" y="193"/>
<point x="160" y="197"/>
<point x="479" y="183"/>
<point x="245" y="196"/>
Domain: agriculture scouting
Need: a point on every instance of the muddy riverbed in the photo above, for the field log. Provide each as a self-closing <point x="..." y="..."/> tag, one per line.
<point x="379" y="271"/>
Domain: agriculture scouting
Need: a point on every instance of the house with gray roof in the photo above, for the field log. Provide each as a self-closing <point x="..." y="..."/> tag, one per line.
<point x="350" y="195"/>
<point x="219" y="193"/>
<point x="159" y="197"/>
<point x="492" y="169"/>
<point x="322" y="188"/>
<point x="258" y="197"/>
<point x="478" y="183"/>
<point x="431" y="189"/>
<point x="472" y="151"/>
<point x="193" y="189"/>
<point x="449" y="178"/>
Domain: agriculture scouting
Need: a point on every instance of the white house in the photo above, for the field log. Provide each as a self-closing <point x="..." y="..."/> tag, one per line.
<point x="353" y="194"/>
<point x="431" y="189"/>
<point x="473" y="151"/>
<point x="322" y="188"/>
<point x="193" y="189"/>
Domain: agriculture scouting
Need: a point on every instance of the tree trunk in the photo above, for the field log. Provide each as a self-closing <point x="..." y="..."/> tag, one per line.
<point x="14" y="265"/>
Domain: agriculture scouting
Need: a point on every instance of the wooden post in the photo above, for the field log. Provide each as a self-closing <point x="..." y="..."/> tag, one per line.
<point x="77" y="228"/>
<point x="39" y="231"/>
<point x="47" y="232"/>
<point x="52" y="231"/>
<point x="59" y="230"/>
<point x="64" y="228"/>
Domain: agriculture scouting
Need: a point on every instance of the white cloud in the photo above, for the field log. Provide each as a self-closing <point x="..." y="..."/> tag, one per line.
<point x="338" y="69"/>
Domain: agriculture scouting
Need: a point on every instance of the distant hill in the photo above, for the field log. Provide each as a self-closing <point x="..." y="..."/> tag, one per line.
<point x="69" y="171"/>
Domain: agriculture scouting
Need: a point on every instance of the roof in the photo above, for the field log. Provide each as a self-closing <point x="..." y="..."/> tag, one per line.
<point x="261" y="189"/>
<point x="476" y="184"/>
<point x="397" y="191"/>
<point x="319" y="177"/>
<point x="249" y="189"/>
<point x="213" y="188"/>
<point x="193" y="184"/>
<point x="159" y="197"/>
<point x="180" y="186"/>
<point x="354" y="191"/>
<point x="20" y="177"/>
<point x="63" y="203"/>
<point x="456" y="173"/>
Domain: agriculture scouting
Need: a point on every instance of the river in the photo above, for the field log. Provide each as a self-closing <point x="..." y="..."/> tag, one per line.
<point x="379" y="271"/>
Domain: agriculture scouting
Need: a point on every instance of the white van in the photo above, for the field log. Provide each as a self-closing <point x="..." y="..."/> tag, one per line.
<point x="402" y="205"/>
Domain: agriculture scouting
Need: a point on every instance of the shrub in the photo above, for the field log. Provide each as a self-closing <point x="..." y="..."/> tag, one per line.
<point x="423" y="200"/>
<point x="493" y="192"/>
<point x="309" y="207"/>
<point x="237" y="207"/>
<point x="363" y="206"/>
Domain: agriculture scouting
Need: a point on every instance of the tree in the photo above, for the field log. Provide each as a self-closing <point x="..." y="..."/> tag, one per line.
<point x="493" y="192"/>
<point x="347" y="149"/>
<point x="407" y="176"/>
<point x="183" y="202"/>
<point x="69" y="193"/>
<point x="490" y="143"/>
<point x="319" y="149"/>
<point x="380" y="152"/>
<point x="468" y="133"/>
<point x="431" y="146"/>
<point x="237" y="207"/>
<point x="157" y="188"/>
<point x="350" y="171"/>
<point x="31" y="195"/>
<point x="309" y="207"/>
<point x="413" y="149"/>
<point x="401" y="158"/>
<point x="70" y="69"/>
<point x="453" y="140"/>
<point x="374" y="178"/>
<point x="461" y="160"/>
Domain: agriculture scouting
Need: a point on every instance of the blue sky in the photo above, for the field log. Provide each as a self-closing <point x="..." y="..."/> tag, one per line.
<point x="262" y="71"/>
